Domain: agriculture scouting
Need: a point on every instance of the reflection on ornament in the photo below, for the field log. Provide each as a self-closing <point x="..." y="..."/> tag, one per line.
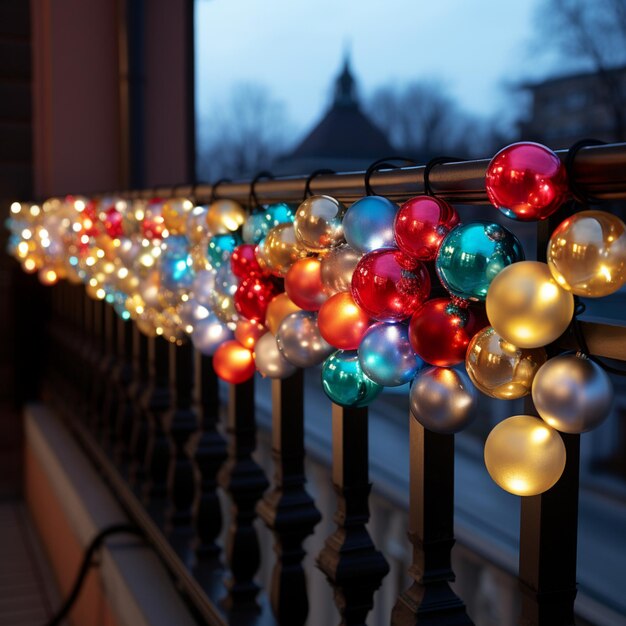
<point x="526" y="181"/>
<point x="386" y="355"/>
<point x="587" y="254"/>
<point x="175" y="212"/>
<point x="318" y="223"/>
<point x="421" y="224"/>
<point x="280" y="250"/>
<point x="524" y="455"/>
<point x="195" y="227"/>
<point x="277" y="310"/>
<point x="342" y="322"/>
<point x="526" y="306"/>
<point x="344" y="381"/>
<point x="572" y="393"/>
<point x="243" y="261"/>
<point x="368" y="224"/>
<point x="443" y="400"/>
<point x="500" y="369"/>
<point x="441" y="329"/>
<point x="233" y="363"/>
<point x="259" y="223"/>
<point x="253" y="297"/>
<point x="299" y="339"/>
<point x="471" y="256"/>
<point x="220" y="248"/>
<point x="209" y="334"/>
<point x="224" y="216"/>
<point x="269" y="360"/>
<point x="338" y="265"/>
<point x="303" y="284"/>
<point x="248" y="332"/>
<point x="389" y="286"/>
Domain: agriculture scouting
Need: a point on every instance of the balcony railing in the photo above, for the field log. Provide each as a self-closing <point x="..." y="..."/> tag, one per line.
<point x="150" y="416"/>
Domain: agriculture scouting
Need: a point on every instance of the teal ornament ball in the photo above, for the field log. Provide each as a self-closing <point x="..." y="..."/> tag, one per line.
<point x="259" y="223"/>
<point x="176" y="264"/>
<point x="344" y="381"/>
<point x="221" y="247"/>
<point x="472" y="255"/>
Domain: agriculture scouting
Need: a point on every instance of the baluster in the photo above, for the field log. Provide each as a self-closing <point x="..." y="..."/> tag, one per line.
<point x="109" y="401"/>
<point x="352" y="564"/>
<point x="156" y="404"/>
<point x="287" y="509"/>
<point x="548" y="538"/>
<point x="245" y="483"/>
<point x="140" y="428"/>
<point x="182" y="423"/>
<point x="430" y="600"/>
<point x="210" y="456"/>
<point x="126" y="410"/>
<point x="99" y="360"/>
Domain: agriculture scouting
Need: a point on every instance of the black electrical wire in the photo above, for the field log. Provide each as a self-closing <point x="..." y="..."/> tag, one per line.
<point x="578" y="194"/>
<point x="440" y="160"/>
<point x="310" y="177"/>
<point x="579" y="335"/>
<point x="92" y="549"/>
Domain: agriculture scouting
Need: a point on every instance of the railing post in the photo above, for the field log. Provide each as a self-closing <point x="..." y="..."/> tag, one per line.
<point x="430" y="600"/>
<point x="156" y="403"/>
<point x="352" y="564"/>
<point x="210" y="455"/>
<point x="245" y="482"/>
<point x="140" y="428"/>
<point x="548" y="538"/>
<point x="288" y="510"/>
<point x="181" y="424"/>
<point x="126" y="410"/>
<point x="109" y="396"/>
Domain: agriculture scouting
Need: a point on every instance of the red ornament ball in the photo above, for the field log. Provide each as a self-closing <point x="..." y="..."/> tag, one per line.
<point x="304" y="286"/>
<point x="441" y="330"/>
<point x="243" y="261"/>
<point x="421" y="224"/>
<point x="526" y="181"/>
<point x="388" y="285"/>
<point x="112" y="221"/>
<point x="253" y="295"/>
<point x="233" y="363"/>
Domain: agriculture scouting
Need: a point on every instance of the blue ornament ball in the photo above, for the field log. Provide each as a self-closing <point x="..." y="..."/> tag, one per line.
<point x="344" y="381"/>
<point x="386" y="355"/>
<point x="472" y="255"/>
<point x="260" y="223"/>
<point x="176" y="264"/>
<point x="369" y="224"/>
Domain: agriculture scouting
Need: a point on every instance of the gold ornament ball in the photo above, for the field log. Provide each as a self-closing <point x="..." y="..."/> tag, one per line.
<point x="526" y="307"/>
<point x="196" y="227"/>
<point x="175" y="213"/>
<point x="587" y="254"/>
<point x="280" y="250"/>
<point x="318" y="223"/>
<point x="524" y="455"/>
<point x="224" y="216"/>
<point x="500" y="369"/>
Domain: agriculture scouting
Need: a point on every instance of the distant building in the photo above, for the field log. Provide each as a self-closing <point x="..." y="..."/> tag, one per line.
<point x="344" y="139"/>
<point x="568" y="108"/>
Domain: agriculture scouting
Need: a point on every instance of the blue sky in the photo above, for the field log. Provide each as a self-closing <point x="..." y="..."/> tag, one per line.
<point x="476" y="48"/>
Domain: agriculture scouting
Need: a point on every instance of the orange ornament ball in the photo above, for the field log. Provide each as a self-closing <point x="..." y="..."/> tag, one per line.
<point x="233" y="362"/>
<point x="342" y="322"/>
<point x="248" y="332"/>
<point x="277" y="310"/>
<point x="304" y="285"/>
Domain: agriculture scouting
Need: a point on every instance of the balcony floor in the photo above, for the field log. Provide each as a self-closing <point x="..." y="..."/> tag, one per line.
<point x="28" y="593"/>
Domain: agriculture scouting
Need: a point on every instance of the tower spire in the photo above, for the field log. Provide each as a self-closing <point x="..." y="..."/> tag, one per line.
<point x="345" y="85"/>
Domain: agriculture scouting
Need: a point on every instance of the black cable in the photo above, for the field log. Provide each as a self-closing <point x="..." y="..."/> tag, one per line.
<point x="253" y="201"/>
<point x="311" y="176"/>
<point x="378" y="165"/>
<point x="583" y="347"/>
<point x="440" y="160"/>
<point x="214" y="187"/>
<point x="94" y="546"/>
<point x="578" y="194"/>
